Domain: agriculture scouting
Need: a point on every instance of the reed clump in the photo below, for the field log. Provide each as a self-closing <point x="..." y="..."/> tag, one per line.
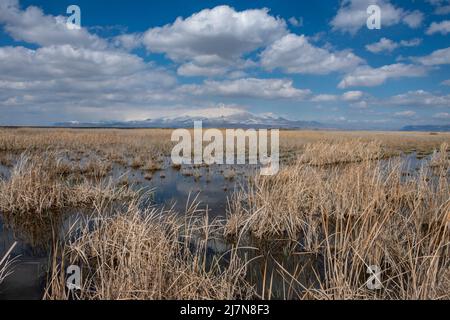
<point x="34" y="187"/>
<point x="44" y="188"/>
<point x="440" y="158"/>
<point x="6" y="264"/>
<point x="43" y="184"/>
<point x="95" y="168"/>
<point x="3" y="273"/>
<point x="352" y="217"/>
<point x="331" y="152"/>
<point x="148" y="254"/>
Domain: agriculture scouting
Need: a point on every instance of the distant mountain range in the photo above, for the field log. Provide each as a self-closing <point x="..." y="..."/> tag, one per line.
<point x="428" y="128"/>
<point x="234" y="118"/>
<point x="230" y="120"/>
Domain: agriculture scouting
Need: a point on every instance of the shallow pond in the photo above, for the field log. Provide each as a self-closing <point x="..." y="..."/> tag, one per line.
<point x="172" y="188"/>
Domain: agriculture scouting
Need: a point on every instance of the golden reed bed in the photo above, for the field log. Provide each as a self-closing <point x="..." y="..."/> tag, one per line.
<point x="341" y="201"/>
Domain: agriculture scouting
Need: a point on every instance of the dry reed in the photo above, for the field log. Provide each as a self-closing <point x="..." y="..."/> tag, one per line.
<point x="6" y="263"/>
<point x="344" y="218"/>
<point x="350" y="218"/>
<point x="149" y="254"/>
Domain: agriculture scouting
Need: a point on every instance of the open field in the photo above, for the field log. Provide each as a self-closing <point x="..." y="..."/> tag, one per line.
<point x="111" y="202"/>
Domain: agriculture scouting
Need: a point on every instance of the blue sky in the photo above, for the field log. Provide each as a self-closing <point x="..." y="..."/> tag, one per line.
<point x="302" y="60"/>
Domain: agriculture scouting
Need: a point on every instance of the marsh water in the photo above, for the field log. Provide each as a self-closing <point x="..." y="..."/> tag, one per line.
<point x="171" y="188"/>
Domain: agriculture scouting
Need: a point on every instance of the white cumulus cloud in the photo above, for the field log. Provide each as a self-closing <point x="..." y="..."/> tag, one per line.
<point x="367" y="76"/>
<point x="420" y="98"/>
<point x="442" y="116"/>
<point x="352" y="95"/>
<point x="248" y="88"/>
<point x="216" y="38"/>
<point x="442" y="27"/>
<point x="352" y="15"/>
<point x="33" y="26"/>
<point x="388" y="45"/>
<point x="295" y="54"/>
<point x="438" y="57"/>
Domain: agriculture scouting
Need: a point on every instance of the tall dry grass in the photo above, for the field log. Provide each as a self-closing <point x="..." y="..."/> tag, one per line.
<point x="338" y="218"/>
<point x="349" y="218"/>
<point x="440" y="158"/>
<point x="148" y="254"/>
<point x="33" y="187"/>
<point x="4" y="270"/>
<point x="121" y="146"/>
<point x="112" y="145"/>
<point x="43" y="188"/>
<point x="6" y="264"/>
<point x="330" y="153"/>
<point x="393" y="143"/>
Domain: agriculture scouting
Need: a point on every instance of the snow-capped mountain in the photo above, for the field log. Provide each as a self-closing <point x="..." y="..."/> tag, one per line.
<point x="211" y="117"/>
